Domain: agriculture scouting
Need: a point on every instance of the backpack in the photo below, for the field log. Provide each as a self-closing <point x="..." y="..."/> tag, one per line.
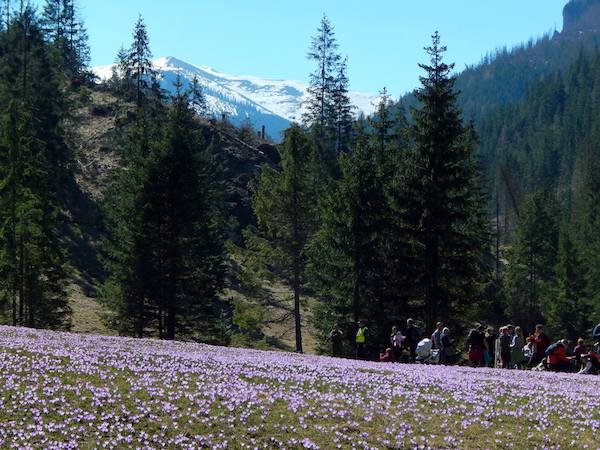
<point x="552" y="348"/>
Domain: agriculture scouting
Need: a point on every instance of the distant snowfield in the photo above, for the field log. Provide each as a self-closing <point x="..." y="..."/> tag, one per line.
<point x="270" y="102"/>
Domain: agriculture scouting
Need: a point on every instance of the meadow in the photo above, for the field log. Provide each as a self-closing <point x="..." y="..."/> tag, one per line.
<point x="61" y="390"/>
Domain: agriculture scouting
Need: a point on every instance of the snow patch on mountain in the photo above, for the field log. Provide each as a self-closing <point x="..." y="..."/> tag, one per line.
<point x="270" y="102"/>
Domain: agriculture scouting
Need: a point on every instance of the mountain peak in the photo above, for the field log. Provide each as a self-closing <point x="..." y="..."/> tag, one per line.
<point x="581" y="15"/>
<point x="272" y="103"/>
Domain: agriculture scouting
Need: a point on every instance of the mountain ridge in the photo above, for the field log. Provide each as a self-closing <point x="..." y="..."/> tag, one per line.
<point x="272" y="103"/>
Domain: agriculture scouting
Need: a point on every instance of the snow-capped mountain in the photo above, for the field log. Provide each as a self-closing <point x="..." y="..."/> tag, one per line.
<point x="262" y="101"/>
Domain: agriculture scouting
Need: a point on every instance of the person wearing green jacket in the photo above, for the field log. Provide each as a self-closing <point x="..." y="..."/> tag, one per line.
<point x="361" y="339"/>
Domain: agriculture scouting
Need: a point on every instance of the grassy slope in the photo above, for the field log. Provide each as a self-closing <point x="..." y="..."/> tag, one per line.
<point x="93" y="141"/>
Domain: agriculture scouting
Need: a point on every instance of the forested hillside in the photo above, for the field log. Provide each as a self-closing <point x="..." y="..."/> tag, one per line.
<point x="505" y="75"/>
<point x="550" y="138"/>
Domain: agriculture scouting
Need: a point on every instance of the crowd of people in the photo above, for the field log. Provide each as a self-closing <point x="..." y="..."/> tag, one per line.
<point x="508" y="348"/>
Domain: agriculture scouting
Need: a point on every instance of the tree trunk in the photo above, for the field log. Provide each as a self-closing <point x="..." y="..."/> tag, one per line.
<point x="497" y="238"/>
<point x="140" y="318"/>
<point x="356" y="269"/>
<point x="21" y="281"/>
<point x="297" y="317"/>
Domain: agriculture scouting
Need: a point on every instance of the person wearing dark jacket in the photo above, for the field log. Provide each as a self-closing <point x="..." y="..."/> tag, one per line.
<point x="505" y="341"/>
<point x="447" y="351"/>
<point x="413" y="336"/>
<point x="336" y="337"/>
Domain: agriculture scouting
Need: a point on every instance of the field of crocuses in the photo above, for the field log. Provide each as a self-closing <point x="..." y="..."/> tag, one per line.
<point x="60" y="390"/>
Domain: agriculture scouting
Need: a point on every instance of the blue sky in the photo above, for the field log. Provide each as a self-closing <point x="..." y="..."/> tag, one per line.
<point x="383" y="39"/>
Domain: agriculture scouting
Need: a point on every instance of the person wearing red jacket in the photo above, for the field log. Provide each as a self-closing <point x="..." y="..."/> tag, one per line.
<point x="558" y="361"/>
<point x="542" y="342"/>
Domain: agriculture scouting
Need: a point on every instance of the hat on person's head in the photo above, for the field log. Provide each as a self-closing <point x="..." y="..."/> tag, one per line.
<point x="409" y="321"/>
<point x="446" y="330"/>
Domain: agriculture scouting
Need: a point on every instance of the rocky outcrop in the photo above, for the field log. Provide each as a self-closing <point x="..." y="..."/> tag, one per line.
<point x="581" y="15"/>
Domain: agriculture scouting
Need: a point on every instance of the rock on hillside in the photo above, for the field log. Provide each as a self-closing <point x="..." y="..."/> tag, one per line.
<point x="581" y="16"/>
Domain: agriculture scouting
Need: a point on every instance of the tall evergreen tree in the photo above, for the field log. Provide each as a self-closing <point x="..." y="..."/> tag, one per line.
<point x="183" y="256"/>
<point x="197" y="97"/>
<point x="531" y="260"/>
<point x="568" y="311"/>
<point x="284" y="204"/>
<point x="124" y="292"/>
<point x="346" y="255"/>
<point x="320" y="104"/>
<point x="444" y="206"/>
<point x="33" y="160"/>
<point x="138" y="67"/>
<point x="587" y="223"/>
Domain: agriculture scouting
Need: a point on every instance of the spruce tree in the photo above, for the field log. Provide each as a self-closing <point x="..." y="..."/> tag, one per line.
<point x="197" y="97"/>
<point x="138" y="67"/>
<point x="444" y="205"/>
<point x="124" y="292"/>
<point x="284" y="204"/>
<point x="587" y="223"/>
<point x="531" y="260"/>
<point x="568" y="310"/>
<point x="183" y="256"/>
<point x="346" y="255"/>
<point x="319" y="108"/>
<point x="34" y="161"/>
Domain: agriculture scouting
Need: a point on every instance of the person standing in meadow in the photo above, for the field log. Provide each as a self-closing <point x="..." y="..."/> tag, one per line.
<point x="447" y="352"/>
<point x="361" y="339"/>
<point x="541" y="341"/>
<point x="517" y="357"/>
<point x="490" y="353"/>
<point x="336" y="336"/>
<point x="505" y="342"/>
<point x="476" y="343"/>
<point x="413" y="336"/>
<point x="436" y="336"/>
<point x="396" y="339"/>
